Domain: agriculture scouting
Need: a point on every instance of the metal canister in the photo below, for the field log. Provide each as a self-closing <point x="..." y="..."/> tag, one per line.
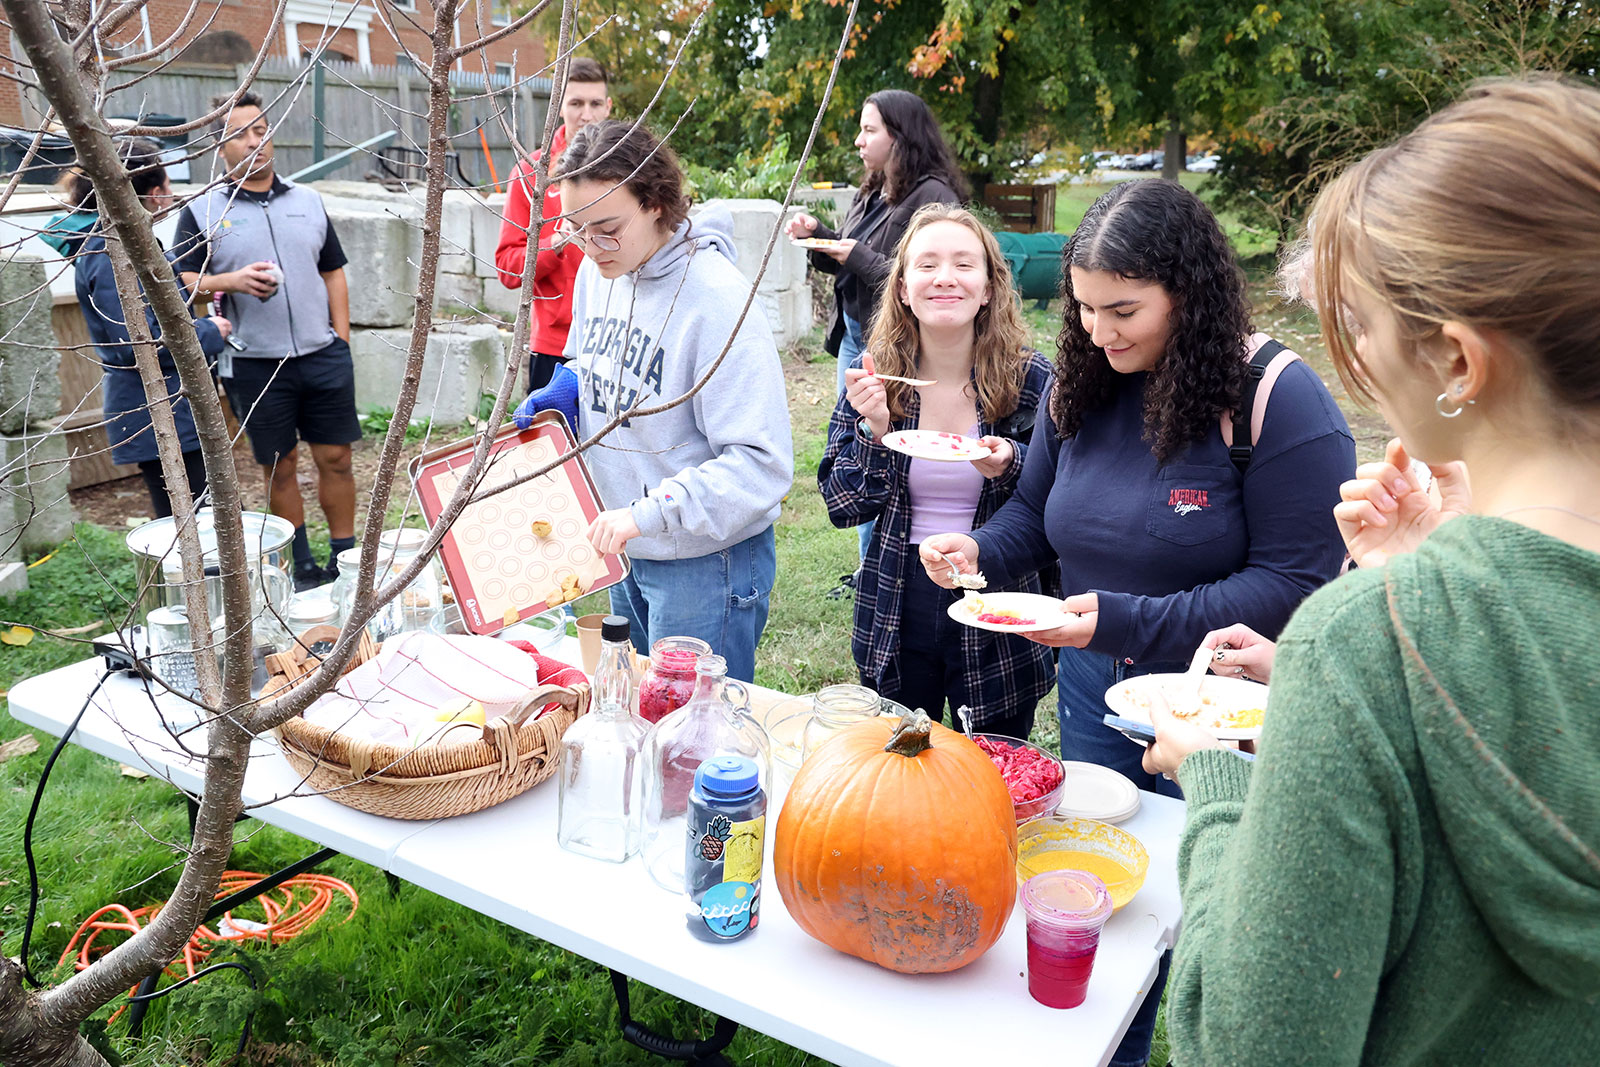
<point x="726" y="836"/>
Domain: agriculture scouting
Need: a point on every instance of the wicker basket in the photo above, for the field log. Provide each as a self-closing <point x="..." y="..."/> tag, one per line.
<point x="435" y="782"/>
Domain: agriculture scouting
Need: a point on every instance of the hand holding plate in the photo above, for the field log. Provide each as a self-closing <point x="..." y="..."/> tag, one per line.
<point x="998" y="461"/>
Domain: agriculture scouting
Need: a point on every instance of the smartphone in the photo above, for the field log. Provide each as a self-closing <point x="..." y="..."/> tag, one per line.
<point x="1132" y="729"/>
<point x="1144" y="734"/>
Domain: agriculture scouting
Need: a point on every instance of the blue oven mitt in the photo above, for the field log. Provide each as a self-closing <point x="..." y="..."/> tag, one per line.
<point x="561" y="394"/>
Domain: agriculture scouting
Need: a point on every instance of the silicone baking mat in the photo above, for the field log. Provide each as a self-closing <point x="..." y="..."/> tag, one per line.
<point x="523" y="551"/>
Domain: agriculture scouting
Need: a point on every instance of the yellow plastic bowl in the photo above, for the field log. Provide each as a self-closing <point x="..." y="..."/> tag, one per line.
<point x="1062" y="843"/>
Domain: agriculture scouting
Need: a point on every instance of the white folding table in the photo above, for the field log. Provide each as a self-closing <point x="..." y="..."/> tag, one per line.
<point x="504" y="862"/>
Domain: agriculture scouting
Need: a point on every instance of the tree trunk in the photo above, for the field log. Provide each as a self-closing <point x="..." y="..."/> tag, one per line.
<point x="1176" y="149"/>
<point x="26" y="1040"/>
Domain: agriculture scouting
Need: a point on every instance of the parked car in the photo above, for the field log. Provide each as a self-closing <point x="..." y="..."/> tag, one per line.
<point x="1204" y="164"/>
<point x="1148" y="160"/>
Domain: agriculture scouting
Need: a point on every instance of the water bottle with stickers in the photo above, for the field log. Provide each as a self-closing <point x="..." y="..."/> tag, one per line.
<point x="726" y="835"/>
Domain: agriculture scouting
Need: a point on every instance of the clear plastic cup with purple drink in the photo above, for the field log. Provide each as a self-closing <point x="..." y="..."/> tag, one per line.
<point x="1065" y="911"/>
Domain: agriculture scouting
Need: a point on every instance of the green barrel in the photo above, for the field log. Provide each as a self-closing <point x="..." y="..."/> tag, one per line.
<point x="1035" y="260"/>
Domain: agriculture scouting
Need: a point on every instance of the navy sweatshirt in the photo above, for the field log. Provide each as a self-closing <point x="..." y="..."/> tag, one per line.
<point x="1178" y="549"/>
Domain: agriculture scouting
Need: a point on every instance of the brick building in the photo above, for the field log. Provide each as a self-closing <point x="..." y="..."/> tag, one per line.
<point x="353" y="32"/>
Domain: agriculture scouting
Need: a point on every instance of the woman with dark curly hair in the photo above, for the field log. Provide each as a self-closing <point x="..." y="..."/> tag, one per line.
<point x="1131" y="485"/>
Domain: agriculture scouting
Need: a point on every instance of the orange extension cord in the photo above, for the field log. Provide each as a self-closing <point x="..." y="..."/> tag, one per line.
<point x="288" y="916"/>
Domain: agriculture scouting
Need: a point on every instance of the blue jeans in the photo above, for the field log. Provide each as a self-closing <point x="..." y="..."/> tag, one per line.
<point x="721" y="598"/>
<point x="1082" y="678"/>
<point x="851" y="346"/>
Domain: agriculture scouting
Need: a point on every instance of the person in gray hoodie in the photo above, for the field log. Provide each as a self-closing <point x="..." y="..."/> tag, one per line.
<point x="692" y="491"/>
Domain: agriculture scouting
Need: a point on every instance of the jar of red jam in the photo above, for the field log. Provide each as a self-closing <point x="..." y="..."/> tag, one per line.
<point x="669" y="681"/>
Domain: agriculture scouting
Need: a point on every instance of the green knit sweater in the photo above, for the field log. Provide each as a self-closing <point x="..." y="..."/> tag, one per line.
<point x="1409" y="874"/>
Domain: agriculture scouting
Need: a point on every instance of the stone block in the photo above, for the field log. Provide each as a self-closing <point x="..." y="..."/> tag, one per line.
<point x="462" y="361"/>
<point x="788" y="313"/>
<point x="462" y="290"/>
<point x="30" y="382"/>
<point x="383" y="242"/>
<point x="753" y="223"/>
<point x="500" y="301"/>
<point x="487" y="215"/>
<point x="13" y="579"/>
<point x="34" y="474"/>
<point x="455" y="232"/>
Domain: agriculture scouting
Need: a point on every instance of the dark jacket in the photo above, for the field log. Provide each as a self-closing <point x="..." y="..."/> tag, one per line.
<point x="127" y="416"/>
<point x="876" y="226"/>
<point x="862" y="482"/>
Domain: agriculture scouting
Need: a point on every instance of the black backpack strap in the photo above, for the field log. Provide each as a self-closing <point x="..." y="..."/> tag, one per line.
<point x="1243" y="445"/>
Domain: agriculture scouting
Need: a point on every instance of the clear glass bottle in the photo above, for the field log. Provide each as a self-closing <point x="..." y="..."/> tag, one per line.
<point x="710" y="724"/>
<point x="601" y="759"/>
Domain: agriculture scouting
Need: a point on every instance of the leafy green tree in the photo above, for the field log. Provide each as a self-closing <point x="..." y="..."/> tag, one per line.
<point x="1385" y="66"/>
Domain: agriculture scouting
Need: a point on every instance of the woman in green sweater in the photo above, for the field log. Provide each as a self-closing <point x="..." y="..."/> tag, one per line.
<point x="1410" y="872"/>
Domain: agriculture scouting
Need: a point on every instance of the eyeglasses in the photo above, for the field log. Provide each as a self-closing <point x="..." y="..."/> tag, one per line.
<point x="603" y="241"/>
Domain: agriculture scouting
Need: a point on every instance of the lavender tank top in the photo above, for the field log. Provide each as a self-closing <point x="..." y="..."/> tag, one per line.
<point x="944" y="496"/>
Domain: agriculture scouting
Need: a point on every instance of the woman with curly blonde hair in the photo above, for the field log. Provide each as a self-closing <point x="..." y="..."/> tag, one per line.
<point x="949" y="314"/>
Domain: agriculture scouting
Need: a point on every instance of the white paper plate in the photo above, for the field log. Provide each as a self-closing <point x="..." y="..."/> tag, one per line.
<point x="1131" y="699"/>
<point x="819" y="243"/>
<point x="1096" y="792"/>
<point x="935" y="444"/>
<point x="1046" y="611"/>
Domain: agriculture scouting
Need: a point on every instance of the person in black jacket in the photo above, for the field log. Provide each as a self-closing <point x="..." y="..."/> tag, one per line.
<point x="124" y="404"/>
<point x="907" y="164"/>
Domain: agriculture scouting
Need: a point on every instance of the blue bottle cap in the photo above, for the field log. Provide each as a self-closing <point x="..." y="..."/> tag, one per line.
<point x="727" y="776"/>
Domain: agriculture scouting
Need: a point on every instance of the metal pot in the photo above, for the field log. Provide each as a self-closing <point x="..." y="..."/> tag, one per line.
<point x="158" y="567"/>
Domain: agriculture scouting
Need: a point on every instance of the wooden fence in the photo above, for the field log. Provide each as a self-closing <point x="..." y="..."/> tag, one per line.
<point x="357" y="104"/>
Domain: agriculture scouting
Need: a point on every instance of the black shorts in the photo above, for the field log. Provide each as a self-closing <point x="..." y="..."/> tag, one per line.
<point x="310" y="398"/>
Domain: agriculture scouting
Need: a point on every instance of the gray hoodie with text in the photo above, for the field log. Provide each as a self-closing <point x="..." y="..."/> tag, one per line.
<point x="712" y="471"/>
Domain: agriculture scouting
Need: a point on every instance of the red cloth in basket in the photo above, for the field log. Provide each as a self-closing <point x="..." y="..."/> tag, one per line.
<point x="552" y="671"/>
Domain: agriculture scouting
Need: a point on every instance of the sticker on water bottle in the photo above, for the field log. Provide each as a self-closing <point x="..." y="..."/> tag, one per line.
<point x="730" y="908"/>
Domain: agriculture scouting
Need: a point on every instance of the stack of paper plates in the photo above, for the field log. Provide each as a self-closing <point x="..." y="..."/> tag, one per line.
<point x="1096" y="792"/>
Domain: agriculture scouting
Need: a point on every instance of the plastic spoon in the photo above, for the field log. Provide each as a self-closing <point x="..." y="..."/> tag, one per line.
<point x="1187" y="703"/>
<point x="918" y="382"/>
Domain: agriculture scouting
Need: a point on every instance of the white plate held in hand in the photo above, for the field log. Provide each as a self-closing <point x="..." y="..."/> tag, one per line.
<point x="1220" y="700"/>
<point x="935" y="444"/>
<point x="1041" y="612"/>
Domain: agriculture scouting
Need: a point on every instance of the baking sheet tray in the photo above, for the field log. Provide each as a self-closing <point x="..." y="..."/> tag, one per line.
<point x="502" y="564"/>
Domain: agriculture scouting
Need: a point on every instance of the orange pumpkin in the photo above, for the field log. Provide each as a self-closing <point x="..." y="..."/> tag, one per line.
<point x="897" y="843"/>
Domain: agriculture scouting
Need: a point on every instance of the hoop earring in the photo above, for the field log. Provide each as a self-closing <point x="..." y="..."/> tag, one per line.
<point x="1438" y="405"/>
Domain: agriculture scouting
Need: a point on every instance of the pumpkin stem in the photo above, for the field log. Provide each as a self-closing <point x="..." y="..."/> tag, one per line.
<point x="911" y="736"/>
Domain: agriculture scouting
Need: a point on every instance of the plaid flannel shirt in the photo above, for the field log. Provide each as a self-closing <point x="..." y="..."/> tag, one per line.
<point x="861" y="481"/>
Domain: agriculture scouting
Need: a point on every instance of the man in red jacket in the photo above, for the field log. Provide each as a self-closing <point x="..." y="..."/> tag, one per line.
<point x="585" y="101"/>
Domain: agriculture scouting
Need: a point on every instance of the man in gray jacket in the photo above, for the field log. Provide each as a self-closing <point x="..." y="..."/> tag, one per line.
<point x="267" y="247"/>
